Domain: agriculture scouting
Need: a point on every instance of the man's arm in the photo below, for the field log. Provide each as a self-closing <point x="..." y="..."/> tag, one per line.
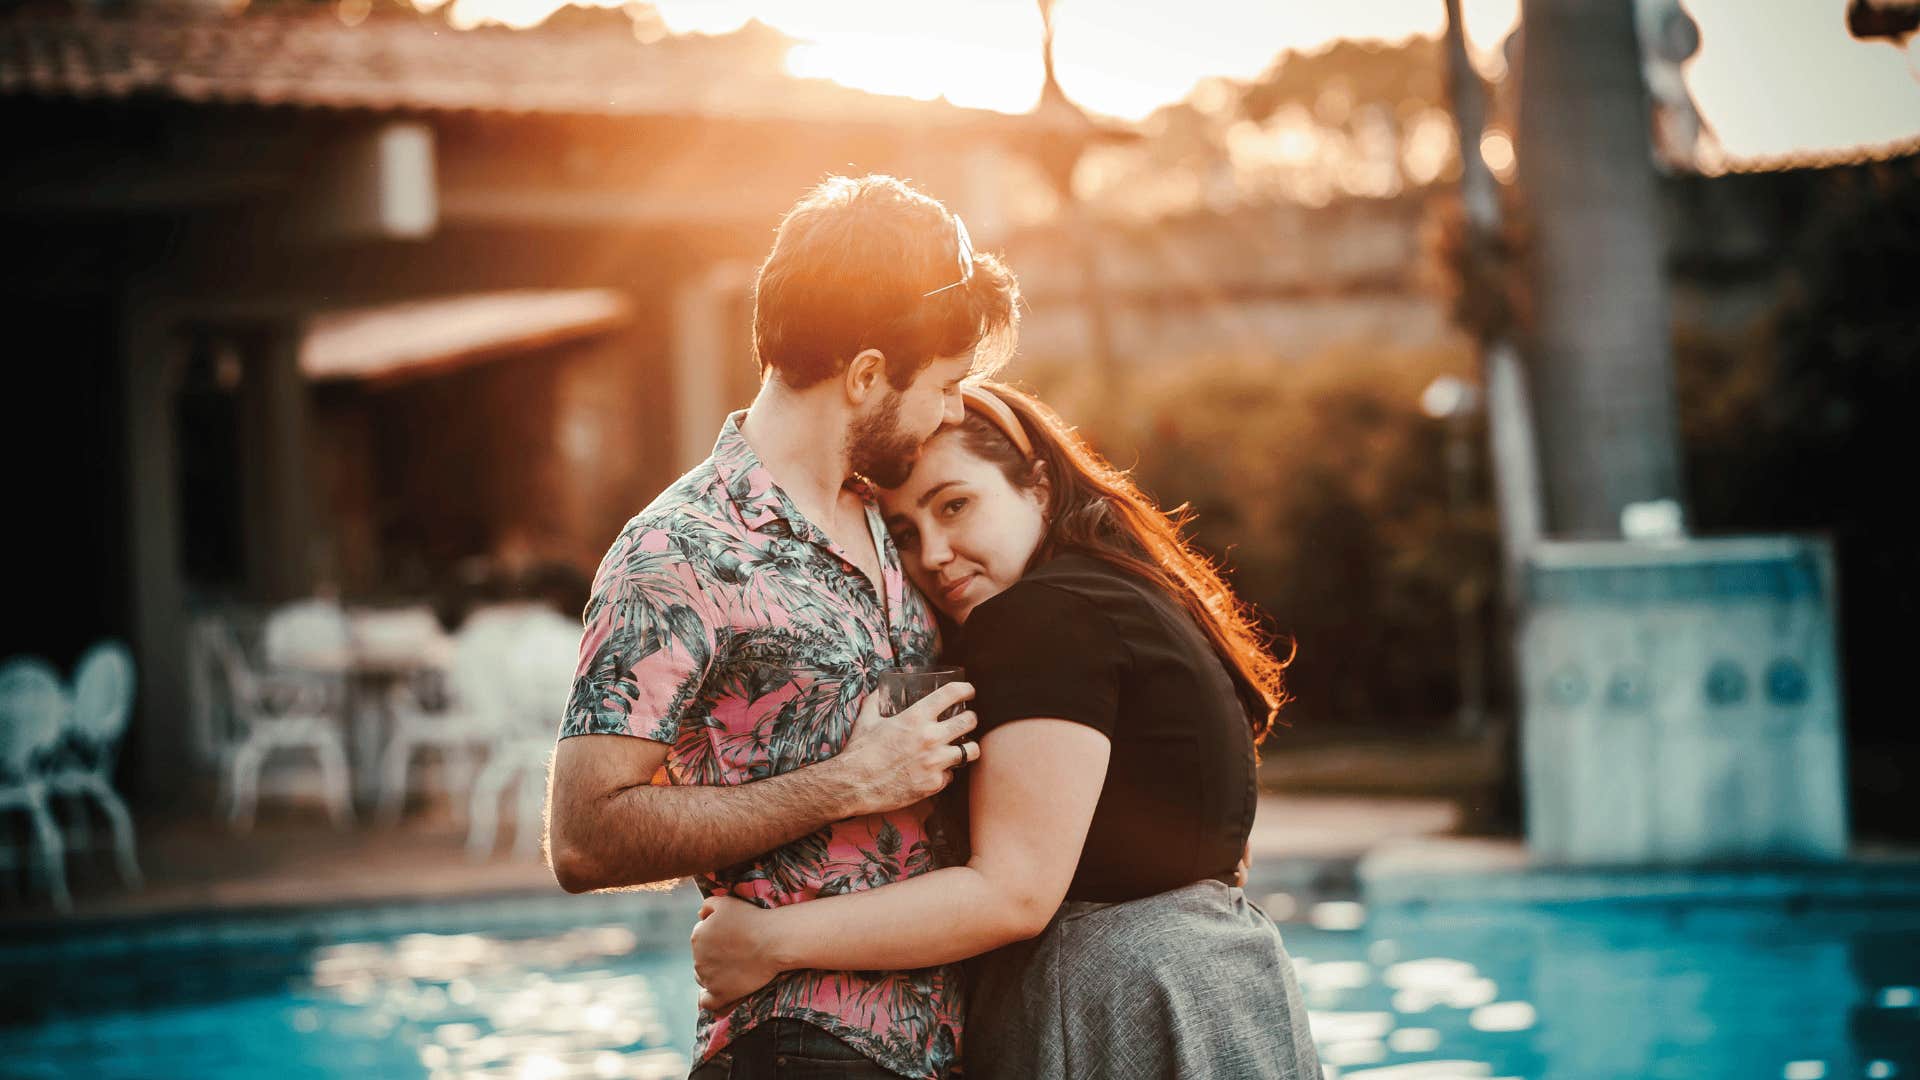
<point x="608" y="825"/>
<point x="1033" y="802"/>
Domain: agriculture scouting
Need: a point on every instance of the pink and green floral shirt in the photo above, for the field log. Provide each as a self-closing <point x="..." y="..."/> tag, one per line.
<point x="728" y="626"/>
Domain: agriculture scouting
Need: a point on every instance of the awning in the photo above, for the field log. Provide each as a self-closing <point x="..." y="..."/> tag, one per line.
<point x="393" y="342"/>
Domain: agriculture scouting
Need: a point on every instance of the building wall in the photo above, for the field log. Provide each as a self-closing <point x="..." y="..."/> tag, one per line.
<point x="533" y="458"/>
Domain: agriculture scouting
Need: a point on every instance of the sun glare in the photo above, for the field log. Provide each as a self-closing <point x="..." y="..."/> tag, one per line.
<point x="989" y="59"/>
<point x="1118" y="58"/>
<point x="1772" y="76"/>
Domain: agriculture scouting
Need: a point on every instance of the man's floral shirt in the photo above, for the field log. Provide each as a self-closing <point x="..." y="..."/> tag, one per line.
<point x="726" y="625"/>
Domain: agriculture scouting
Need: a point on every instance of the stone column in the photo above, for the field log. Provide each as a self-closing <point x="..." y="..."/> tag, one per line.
<point x="154" y="358"/>
<point x="282" y="548"/>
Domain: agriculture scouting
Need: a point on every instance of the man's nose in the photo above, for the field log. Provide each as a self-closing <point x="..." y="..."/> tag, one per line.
<point x="956" y="409"/>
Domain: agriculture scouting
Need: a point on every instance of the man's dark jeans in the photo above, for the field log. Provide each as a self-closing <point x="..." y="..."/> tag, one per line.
<point x="782" y="1049"/>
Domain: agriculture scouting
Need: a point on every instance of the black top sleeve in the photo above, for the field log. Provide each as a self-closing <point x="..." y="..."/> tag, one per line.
<point x="1037" y="650"/>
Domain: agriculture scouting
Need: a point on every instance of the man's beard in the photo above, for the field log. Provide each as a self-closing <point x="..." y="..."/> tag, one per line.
<point x="876" y="447"/>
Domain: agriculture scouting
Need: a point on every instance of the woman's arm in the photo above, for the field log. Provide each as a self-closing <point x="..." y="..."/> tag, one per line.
<point x="1034" y="791"/>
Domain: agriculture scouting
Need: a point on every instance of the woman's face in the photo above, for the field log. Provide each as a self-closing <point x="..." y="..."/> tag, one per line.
<point x="964" y="532"/>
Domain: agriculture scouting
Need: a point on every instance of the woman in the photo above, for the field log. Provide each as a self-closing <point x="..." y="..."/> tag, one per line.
<point x="1120" y="691"/>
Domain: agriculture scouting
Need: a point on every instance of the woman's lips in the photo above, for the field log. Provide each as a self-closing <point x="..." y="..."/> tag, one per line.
<point x="951" y="593"/>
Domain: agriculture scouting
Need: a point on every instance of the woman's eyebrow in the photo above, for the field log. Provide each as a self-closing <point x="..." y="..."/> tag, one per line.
<point x="936" y="489"/>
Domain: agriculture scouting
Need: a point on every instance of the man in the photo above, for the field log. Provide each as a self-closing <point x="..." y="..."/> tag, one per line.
<point x="739" y="623"/>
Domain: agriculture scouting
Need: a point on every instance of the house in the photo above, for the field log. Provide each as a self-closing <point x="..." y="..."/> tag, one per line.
<point x="294" y="304"/>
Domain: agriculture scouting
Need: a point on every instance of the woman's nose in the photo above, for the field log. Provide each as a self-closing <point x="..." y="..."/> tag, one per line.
<point x="934" y="552"/>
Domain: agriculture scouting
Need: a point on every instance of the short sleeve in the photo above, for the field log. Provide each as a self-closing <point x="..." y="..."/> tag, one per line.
<point x="646" y="647"/>
<point x="1040" y="651"/>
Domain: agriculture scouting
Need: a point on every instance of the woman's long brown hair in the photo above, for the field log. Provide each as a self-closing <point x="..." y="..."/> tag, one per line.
<point x="1095" y="509"/>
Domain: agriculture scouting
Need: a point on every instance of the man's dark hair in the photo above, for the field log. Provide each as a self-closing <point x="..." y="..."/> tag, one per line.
<point x="851" y="268"/>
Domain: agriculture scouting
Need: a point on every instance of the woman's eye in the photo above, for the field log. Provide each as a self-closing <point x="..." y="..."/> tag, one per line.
<point x="952" y="506"/>
<point x="905" y="539"/>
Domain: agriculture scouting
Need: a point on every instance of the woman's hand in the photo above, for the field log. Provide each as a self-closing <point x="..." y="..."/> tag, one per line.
<point x="730" y="959"/>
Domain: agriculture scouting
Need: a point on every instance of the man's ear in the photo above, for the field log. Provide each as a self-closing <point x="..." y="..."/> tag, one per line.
<point x="866" y="377"/>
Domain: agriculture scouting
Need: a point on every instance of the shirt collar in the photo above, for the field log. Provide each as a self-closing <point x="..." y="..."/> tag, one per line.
<point x="751" y="488"/>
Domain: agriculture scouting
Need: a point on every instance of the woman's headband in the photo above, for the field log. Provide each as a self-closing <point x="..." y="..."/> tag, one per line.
<point x="998" y="413"/>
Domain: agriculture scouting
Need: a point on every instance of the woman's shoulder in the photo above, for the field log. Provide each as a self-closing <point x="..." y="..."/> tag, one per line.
<point x="1088" y="583"/>
<point x="1052" y="612"/>
<point x="1088" y="576"/>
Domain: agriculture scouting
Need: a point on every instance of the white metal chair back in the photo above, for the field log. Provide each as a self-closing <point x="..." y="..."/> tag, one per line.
<point x="542" y="667"/>
<point x="103" y="686"/>
<point x="103" y="690"/>
<point x="33" y="707"/>
<point x="235" y="676"/>
<point x="400" y="636"/>
<point x="543" y="650"/>
<point x="253" y="694"/>
<point x="209" y="690"/>
<point x="312" y="635"/>
<point x="480" y="676"/>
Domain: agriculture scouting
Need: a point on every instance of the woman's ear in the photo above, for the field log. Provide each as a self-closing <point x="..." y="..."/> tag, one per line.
<point x="1040" y="481"/>
<point x="866" y="377"/>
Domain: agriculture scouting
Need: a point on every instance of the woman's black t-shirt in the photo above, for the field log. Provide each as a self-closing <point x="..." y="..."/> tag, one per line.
<point x="1079" y="639"/>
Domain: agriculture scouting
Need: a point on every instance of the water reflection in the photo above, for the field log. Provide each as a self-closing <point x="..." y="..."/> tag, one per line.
<point x="1644" y="990"/>
<point x="470" y="1005"/>
<point x="1658" y="990"/>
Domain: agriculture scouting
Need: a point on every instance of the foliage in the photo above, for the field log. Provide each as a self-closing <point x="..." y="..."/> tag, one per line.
<point x="1804" y="423"/>
<point x="1353" y="119"/>
<point x="1324" y="488"/>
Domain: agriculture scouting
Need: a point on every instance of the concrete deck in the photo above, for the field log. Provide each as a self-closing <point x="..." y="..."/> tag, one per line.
<point x="294" y="859"/>
<point x="1311" y="847"/>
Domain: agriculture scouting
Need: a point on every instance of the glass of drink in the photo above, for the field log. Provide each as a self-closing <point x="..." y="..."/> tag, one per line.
<point x="901" y="687"/>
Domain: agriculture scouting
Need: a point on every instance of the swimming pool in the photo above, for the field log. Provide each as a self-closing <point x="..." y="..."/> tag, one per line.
<point x="600" y="987"/>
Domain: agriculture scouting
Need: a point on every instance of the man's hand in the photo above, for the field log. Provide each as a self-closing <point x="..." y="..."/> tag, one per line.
<point x="894" y="761"/>
<point x="729" y="959"/>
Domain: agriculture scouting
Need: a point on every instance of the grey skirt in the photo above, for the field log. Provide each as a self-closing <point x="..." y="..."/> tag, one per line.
<point x="1189" y="983"/>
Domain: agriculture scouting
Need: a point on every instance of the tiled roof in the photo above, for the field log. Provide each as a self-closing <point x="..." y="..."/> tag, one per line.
<point x="308" y="57"/>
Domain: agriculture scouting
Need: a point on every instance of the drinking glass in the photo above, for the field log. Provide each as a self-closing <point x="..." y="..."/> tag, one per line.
<point x="901" y="687"/>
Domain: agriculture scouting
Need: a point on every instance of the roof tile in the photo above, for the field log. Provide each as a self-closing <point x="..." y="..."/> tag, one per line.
<point x="400" y="62"/>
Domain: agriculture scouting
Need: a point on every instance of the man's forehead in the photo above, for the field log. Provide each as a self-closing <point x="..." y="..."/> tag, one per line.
<point x="953" y="367"/>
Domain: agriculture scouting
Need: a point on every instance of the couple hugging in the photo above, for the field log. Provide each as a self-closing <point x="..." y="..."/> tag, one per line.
<point x="882" y="505"/>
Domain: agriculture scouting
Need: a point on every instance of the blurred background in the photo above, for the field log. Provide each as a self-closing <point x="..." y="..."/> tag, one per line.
<point x="1538" y="367"/>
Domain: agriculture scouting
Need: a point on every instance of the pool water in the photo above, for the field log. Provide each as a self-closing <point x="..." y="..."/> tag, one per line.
<point x="1585" y="991"/>
<point x="1591" y="990"/>
<point x="576" y="1002"/>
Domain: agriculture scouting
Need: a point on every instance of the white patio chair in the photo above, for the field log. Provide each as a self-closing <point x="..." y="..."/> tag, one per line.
<point x="33" y="706"/>
<point x="468" y="720"/>
<point x="275" y="710"/>
<point x="103" y="688"/>
<point x="398" y="654"/>
<point x="308" y="635"/>
<point x="539" y="676"/>
<point x="311" y="640"/>
<point x="398" y="637"/>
